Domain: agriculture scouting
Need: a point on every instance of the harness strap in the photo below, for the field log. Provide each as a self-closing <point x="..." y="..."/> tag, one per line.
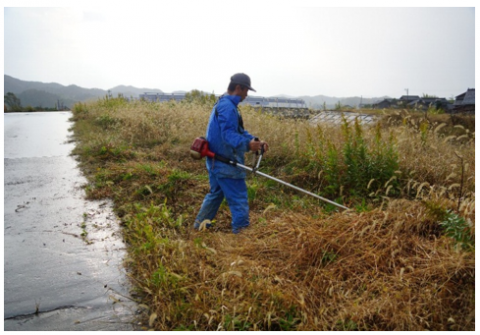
<point x="240" y="120"/>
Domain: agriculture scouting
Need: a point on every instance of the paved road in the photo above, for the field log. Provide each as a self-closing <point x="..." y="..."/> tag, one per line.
<point x="55" y="278"/>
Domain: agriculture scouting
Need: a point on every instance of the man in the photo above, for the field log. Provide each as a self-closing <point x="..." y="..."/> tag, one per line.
<point x="227" y="137"/>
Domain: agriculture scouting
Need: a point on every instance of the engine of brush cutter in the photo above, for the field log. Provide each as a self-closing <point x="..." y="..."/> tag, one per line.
<point x="199" y="149"/>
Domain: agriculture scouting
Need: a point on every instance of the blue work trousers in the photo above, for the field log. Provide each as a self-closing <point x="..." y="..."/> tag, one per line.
<point x="235" y="191"/>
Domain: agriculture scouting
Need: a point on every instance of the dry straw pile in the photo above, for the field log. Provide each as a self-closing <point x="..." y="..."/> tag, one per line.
<point x="401" y="259"/>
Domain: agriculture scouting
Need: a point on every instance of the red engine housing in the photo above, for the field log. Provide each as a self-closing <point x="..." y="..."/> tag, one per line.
<point x="199" y="149"/>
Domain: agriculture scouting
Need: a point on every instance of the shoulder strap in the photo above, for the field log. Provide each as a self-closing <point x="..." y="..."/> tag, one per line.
<point x="240" y="119"/>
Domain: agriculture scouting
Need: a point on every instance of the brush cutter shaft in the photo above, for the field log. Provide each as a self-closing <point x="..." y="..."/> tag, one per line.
<point x="290" y="185"/>
<point x="199" y="149"/>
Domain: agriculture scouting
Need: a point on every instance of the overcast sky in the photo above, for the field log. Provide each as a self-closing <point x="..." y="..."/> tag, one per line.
<point x="286" y="47"/>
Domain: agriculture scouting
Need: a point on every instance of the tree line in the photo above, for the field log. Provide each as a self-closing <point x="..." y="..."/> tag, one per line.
<point x="11" y="104"/>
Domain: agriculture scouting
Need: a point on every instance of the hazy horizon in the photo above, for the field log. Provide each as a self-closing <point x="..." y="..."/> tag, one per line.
<point x="147" y="89"/>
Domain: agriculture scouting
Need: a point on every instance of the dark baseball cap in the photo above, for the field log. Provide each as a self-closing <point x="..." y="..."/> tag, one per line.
<point x="242" y="79"/>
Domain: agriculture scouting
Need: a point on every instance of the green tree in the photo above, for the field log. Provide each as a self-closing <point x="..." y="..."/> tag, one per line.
<point x="200" y="97"/>
<point x="14" y="104"/>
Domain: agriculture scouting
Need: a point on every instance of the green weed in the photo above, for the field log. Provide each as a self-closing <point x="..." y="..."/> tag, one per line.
<point x="458" y="228"/>
<point x="106" y="121"/>
<point x="346" y="325"/>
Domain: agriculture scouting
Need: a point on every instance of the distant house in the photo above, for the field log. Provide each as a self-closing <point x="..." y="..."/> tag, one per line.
<point x="385" y="103"/>
<point x="425" y="103"/>
<point x="465" y="102"/>
<point x="408" y="98"/>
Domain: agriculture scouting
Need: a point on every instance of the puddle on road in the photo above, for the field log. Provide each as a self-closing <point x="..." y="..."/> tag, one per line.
<point x="63" y="255"/>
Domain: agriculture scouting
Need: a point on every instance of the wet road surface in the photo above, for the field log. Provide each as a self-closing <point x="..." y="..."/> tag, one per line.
<point x="62" y="254"/>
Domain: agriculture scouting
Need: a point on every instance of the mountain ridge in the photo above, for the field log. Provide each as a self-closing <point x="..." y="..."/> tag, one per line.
<point x="35" y="93"/>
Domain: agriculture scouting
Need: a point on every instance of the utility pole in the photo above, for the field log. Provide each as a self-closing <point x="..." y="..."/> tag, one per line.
<point x="407" y="91"/>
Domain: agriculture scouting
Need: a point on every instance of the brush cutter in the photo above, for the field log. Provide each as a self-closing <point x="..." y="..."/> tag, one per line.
<point x="199" y="149"/>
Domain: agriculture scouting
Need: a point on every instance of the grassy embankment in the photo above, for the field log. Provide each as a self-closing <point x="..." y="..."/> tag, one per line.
<point x="401" y="259"/>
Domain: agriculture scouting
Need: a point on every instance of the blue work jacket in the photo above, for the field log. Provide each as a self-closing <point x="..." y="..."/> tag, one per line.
<point x="226" y="137"/>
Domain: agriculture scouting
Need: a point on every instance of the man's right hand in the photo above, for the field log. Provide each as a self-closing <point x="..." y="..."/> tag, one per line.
<point x="256" y="145"/>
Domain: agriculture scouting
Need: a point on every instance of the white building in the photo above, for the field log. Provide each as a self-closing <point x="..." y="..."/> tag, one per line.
<point x="250" y="100"/>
